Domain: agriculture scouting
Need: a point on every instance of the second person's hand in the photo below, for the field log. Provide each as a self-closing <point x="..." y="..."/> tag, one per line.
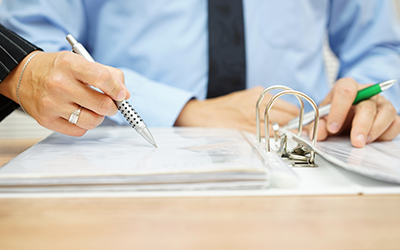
<point x="369" y="120"/>
<point x="236" y="110"/>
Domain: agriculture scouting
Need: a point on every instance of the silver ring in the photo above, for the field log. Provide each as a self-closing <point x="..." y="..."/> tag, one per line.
<point x="73" y="118"/>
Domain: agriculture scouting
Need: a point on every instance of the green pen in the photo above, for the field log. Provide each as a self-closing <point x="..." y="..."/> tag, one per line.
<point x="362" y="95"/>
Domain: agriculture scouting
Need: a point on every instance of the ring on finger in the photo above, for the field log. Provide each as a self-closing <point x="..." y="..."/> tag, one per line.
<point x="73" y="118"/>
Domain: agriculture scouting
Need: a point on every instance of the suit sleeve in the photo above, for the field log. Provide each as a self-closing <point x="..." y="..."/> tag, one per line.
<point x="13" y="49"/>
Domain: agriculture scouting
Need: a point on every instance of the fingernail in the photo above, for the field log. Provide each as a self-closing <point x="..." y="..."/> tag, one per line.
<point x="368" y="139"/>
<point x="121" y="95"/>
<point x="361" y="138"/>
<point x="333" y="127"/>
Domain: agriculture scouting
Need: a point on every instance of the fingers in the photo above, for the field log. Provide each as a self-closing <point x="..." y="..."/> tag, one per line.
<point x="119" y="76"/>
<point x="60" y="122"/>
<point x="322" y="130"/>
<point x="93" y="100"/>
<point x="65" y="127"/>
<point x="86" y="119"/>
<point x="392" y="132"/>
<point x="107" y="79"/>
<point x="384" y="124"/>
<point x="62" y="82"/>
<point x="342" y="95"/>
<point x="363" y="121"/>
<point x="370" y="120"/>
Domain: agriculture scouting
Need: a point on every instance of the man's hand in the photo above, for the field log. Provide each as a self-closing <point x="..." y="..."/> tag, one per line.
<point x="235" y="110"/>
<point x="55" y="84"/>
<point x="370" y="120"/>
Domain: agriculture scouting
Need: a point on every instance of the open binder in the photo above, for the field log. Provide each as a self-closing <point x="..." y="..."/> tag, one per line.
<point x="117" y="159"/>
<point x="379" y="160"/>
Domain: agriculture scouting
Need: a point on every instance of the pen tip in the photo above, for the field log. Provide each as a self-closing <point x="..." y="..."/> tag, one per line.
<point x="387" y="84"/>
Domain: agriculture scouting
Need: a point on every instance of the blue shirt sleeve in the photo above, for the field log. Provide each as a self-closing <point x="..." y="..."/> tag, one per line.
<point x="158" y="104"/>
<point x="48" y="22"/>
<point x="162" y="48"/>
<point x="365" y="36"/>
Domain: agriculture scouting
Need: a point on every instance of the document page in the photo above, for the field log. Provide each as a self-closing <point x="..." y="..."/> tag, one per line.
<point x="114" y="155"/>
<point x="378" y="160"/>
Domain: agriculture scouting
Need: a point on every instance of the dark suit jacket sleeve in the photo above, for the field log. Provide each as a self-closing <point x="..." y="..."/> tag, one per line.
<point x="13" y="49"/>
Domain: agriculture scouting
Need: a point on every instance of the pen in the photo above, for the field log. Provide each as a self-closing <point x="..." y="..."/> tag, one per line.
<point x="123" y="106"/>
<point x="362" y="95"/>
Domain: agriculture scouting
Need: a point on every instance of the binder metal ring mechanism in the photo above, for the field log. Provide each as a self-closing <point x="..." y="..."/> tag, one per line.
<point x="289" y="149"/>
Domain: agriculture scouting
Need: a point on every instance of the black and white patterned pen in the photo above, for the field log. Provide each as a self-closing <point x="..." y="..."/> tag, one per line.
<point x="123" y="106"/>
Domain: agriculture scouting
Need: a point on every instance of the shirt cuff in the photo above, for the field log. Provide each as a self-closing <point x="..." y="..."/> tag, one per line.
<point x="158" y="104"/>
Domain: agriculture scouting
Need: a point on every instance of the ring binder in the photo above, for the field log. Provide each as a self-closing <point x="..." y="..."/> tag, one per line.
<point x="260" y="99"/>
<point x="302" y="155"/>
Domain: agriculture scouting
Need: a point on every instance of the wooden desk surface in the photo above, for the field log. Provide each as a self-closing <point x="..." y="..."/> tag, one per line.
<point x="296" y="222"/>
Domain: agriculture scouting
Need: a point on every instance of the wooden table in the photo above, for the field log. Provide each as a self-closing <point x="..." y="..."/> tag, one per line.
<point x="296" y="222"/>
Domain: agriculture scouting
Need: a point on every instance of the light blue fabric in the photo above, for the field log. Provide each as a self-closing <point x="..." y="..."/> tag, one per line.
<point x="161" y="45"/>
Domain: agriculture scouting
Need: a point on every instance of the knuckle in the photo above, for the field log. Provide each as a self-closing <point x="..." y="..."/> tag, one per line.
<point x="54" y="82"/>
<point x="64" y="58"/>
<point x="119" y="73"/>
<point x="347" y="90"/>
<point x="105" y="104"/>
<point x="390" y="109"/>
<point x="103" y="76"/>
<point x="346" y="81"/>
<point x="45" y="102"/>
<point x="368" y="109"/>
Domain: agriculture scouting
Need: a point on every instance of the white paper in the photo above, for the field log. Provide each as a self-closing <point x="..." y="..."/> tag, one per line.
<point x="118" y="155"/>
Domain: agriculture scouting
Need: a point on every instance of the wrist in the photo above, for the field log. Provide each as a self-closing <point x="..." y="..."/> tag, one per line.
<point x="9" y="85"/>
<point x="20" y="80"/>
<point x="188" y="115"/>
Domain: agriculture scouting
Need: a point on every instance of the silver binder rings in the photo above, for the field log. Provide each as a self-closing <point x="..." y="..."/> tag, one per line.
<point x="292" y="149"/>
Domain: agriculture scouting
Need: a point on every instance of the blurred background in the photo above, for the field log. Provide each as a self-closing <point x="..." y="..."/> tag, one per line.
<point x="20" y="125"/>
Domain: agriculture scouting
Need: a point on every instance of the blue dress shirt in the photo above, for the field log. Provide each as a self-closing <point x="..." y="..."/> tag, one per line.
<point x="162" y="46"/>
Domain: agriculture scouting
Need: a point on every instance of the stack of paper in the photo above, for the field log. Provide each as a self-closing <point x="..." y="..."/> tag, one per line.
<point x="117" y="158"/>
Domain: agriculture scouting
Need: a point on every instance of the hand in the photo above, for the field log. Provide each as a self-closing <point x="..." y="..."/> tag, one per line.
<point x="236" y="110"/>
<point x="55" y="84"/>
<point x="370" y="120"/>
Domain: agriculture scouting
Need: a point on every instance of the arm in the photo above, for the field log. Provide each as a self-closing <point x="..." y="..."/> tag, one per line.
<point x="365" y="35"/>
<point x="159" y="104"/>
<point x="235" y="110"/>
<point x="13" y="49"/>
